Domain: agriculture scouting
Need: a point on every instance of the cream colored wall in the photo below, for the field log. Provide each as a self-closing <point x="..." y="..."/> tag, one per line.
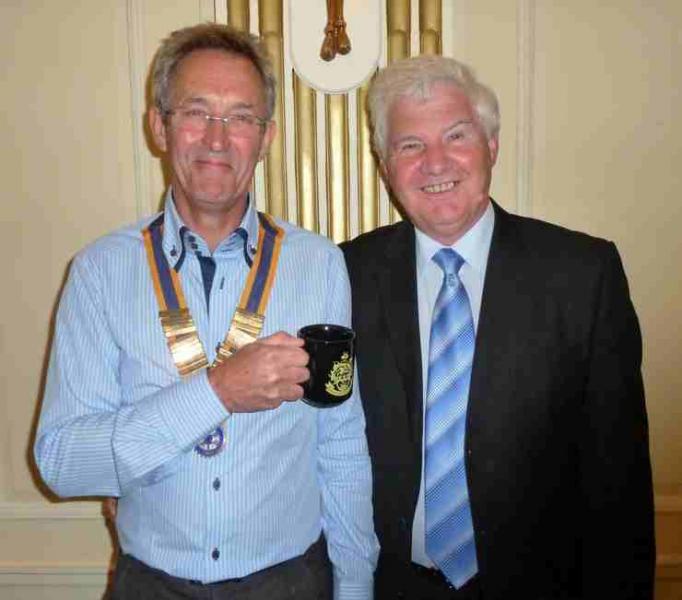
<point x="589" y="94"/>
<point x="73" y="159"/>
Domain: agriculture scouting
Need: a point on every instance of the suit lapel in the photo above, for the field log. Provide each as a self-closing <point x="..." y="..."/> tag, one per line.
<point x="398" y="293"/>
<point x="498" y="316"/>
<point x="398" y="290"/>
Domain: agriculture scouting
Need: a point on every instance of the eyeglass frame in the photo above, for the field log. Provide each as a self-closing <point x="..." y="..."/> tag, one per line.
<point x="225" y="120"/>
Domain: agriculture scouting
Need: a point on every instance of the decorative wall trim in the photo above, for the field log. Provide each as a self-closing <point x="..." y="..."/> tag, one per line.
<point x="430" y="27"/>
<point x="305" y="131"/>
<point x="40" y="511"/>
<point x="338" y="151"/>
<point x="670" y="561"/>
<point x="524" y="117"/>
<point x="368" y="178"/>
<point x="54" y="574"/>
<point x="234" y="12"/>
<point x="668" y="503"/>
<point x="136" y="73"/>
<point x="399" y="38"/>
<point x="270" y="27"/>
<point x="669" y="567"/>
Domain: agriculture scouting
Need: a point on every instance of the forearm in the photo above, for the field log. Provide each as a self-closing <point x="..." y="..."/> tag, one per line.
<point x="82" y="449"/>
<point x="346" y="486"/>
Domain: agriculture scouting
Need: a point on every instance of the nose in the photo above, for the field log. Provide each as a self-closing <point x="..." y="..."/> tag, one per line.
<point x="216" y="136"/>
<point x="436" y="159"/>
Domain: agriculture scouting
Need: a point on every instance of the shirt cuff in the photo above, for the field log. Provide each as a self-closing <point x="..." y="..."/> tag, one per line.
<point x="191" y="409"/>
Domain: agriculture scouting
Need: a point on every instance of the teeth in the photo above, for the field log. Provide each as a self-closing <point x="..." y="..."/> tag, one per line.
<point x="439" y="187"/>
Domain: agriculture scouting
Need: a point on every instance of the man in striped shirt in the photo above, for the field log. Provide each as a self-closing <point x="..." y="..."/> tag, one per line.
<point x="228" y="486"/>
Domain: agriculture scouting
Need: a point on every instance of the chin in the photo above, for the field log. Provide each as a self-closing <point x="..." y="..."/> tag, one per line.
<point x="214" y="196"/>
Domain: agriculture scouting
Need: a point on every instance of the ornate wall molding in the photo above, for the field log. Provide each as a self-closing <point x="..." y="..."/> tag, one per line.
<point x="67" y="574"/>
<point x="40" y="511"/>
<point x="137" y="68"/>
<point x="524" y="117"/>
<point x="320" y="172"/>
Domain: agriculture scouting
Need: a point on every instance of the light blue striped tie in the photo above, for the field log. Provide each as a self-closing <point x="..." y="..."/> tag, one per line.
<point x="449" y="528"/>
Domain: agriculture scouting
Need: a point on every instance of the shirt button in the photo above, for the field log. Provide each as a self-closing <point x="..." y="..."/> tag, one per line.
<point x="216" y="484"/>
<point x="215" y="555"/>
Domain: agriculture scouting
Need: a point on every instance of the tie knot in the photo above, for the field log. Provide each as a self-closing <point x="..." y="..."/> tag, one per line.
<point x="448" y="260"/>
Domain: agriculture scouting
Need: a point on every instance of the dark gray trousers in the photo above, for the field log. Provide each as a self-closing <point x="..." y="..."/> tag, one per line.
<point x="306" y="577"/>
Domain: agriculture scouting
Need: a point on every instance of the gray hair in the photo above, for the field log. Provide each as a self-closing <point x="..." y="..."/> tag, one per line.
<point x="414" y="77"/>
<point x="208" y="36"/>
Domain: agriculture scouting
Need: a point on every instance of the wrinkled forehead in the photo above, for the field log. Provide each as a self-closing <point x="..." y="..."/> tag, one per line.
<point x="213" y="59"/>
<point x="430" y="102"/>
<point x="217" y="71"/>
<point x="422" y="91"/>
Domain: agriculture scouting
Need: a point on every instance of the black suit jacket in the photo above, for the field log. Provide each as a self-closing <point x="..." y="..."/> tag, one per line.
<point x="556" y="449"/>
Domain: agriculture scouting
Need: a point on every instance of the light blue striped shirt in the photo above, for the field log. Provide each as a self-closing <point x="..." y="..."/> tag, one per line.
<point x="117" y="420"/>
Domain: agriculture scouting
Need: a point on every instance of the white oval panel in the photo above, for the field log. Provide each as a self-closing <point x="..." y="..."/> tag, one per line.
<point x="307" y="21"/>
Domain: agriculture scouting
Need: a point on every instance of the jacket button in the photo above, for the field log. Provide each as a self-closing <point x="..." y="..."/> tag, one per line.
<point x="215" y="555"/>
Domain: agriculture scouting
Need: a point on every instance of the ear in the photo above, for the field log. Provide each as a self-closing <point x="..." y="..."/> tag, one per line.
<point x="268" y="136"/>
<point x="383" y="169"/>
<point x="157" y="128"/>
<point x="384" y="172"/>
<point x="493" y="148"/>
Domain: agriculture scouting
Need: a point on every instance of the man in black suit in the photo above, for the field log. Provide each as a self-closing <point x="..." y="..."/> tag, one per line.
<point x="554" y="496"/>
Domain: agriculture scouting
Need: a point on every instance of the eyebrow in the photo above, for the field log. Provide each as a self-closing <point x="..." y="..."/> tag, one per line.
<point x="460" y="123"/>
<point x="194" y="100"/>
<point x="416" y="137"/>
<point x="405" y="138"/>
<point x="242" y="105"/>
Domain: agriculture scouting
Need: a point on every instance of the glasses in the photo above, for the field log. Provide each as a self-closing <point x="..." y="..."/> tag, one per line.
<point x="196" y="120"/>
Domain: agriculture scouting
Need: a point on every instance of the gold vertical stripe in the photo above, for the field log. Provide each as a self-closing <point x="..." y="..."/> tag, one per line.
<point x="368" y="182"/>
<point x="430" y="26"/>
<point x="336" y="108"/>
<point x="305" y="101"/>
<point x="238" y="14"/>
<point x="398" y="21"/>
<point x="270" y="25"/>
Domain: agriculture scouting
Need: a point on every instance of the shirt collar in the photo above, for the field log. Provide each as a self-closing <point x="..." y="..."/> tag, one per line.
<point x="473" y="246"/>
<point x="178" y="239"/>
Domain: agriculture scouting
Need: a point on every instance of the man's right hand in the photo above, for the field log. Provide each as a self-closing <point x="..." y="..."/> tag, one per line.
<point x="261" y="375"/>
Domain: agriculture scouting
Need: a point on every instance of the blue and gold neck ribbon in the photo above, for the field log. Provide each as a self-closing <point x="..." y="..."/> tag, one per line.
<point x="176" y="320"/>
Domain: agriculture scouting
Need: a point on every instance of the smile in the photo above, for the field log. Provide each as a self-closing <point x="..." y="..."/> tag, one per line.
<point x="439" y="188"/>
<point x="215" y="164"/>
